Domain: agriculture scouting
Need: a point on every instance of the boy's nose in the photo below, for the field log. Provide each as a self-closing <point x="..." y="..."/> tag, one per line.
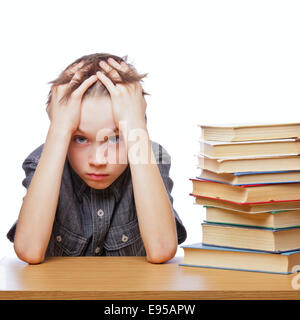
<point x="98" y="155"/>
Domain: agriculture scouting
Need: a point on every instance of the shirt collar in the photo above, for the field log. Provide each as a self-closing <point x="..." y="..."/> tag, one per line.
<point x="80" y="187"/>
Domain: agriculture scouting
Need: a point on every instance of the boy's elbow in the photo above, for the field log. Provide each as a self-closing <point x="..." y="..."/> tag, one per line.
<point x="28" y="256"/>
<point x="162" y="255"/>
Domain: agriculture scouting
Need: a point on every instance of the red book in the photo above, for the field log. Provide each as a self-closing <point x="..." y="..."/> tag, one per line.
<point x="248" y="207"/>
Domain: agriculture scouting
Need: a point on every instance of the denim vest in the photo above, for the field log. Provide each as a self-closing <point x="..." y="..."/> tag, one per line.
<point x="94" y="222"/>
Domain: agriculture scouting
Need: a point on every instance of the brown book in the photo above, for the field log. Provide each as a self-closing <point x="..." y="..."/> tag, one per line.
<point x="240" y="149"/>
<point x="222" y="165"/>
<point x="251" y="177"/>
<point x="204" y="256"/>
<point x="270" y="220"/>
<point x="245" y="132"/>
<point x="247" y="207"/>
<point x="251" y="238"/>
<point x="245" y="193"/>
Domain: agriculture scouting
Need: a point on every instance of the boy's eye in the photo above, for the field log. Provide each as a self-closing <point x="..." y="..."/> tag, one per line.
<point x="78" y="139"/>
<point x="113" y="139"/>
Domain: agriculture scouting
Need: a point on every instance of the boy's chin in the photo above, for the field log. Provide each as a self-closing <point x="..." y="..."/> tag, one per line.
<point x="99" y="185"/>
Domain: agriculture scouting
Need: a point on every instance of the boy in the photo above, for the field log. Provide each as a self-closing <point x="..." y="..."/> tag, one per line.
<point x="88" y="192"/>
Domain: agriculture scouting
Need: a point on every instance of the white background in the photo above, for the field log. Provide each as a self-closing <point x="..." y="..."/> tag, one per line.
<point x="208" y="62"/>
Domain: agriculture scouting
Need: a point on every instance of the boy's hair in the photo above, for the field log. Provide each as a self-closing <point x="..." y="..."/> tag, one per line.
<point x="89" y="65"/>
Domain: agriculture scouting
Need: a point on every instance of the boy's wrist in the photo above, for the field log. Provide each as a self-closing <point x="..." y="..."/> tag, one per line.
<point x="132" y="130"/>
<point x="126" y="127"/>
<point x="138" y="144"/>
<point x="60" y="131"/>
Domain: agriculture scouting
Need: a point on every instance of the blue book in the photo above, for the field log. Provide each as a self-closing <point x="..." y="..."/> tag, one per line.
<point x="206" y="256"/>
<point x="251" y="178"/>
<point x="260" y="172"/>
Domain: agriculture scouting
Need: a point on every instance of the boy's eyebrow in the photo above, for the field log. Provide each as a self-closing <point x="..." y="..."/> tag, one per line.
<point x="115" y="130"/>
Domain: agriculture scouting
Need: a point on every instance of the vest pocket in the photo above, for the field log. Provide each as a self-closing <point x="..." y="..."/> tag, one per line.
<point x="124" y="240"/>
<point x="66" y="242"/>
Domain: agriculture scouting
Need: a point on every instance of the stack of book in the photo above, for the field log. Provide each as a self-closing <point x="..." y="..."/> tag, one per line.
<point x="250" y="186"/>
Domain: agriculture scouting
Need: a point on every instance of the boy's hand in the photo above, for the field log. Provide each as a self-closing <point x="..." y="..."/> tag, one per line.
<point x="128" y="102"/>
<point x="67" y="115"/>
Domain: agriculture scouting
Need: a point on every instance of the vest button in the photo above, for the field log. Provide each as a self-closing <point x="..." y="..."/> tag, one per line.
<point x="100" y="213"/>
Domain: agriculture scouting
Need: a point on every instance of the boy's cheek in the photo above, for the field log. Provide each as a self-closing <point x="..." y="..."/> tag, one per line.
<point x="122" y="157"/>
<point x="77" y="162"/>
<point x="117" y="154"/>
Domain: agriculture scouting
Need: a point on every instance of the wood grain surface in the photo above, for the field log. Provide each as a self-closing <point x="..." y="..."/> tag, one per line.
<point x="135" y="278"/>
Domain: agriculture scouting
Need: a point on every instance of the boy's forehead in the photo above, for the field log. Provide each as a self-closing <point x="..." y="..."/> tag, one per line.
<point x="96" y="113"/>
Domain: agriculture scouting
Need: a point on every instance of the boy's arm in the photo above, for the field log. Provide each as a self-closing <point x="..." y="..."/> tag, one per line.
<point x="154" y="210"/>
<point x="39" y="205"/>
<point x="38" y="209"/>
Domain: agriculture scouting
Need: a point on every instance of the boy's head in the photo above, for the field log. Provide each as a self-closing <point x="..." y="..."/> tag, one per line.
<point x="96" y="147"/>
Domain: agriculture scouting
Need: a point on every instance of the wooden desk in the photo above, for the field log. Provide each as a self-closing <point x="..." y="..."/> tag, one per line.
<point x="134" y="278"/>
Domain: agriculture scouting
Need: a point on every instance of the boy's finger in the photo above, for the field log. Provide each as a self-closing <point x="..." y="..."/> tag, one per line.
<point x="73" y="68"/>
<point x="107" y="82"/>
<point x="59" y="90"/>
<point x="121" y="67"/>
<point x="109" y="70"/>
<point x="84" y="86"/>
<point x="106" y="67"/>
<point x="63" y="87"/>
<point x="75" y="77"/>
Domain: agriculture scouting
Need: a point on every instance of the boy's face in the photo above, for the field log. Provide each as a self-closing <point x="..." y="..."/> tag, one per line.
<point x="98" y="149"/>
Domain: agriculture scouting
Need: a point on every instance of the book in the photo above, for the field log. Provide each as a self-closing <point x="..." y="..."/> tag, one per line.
<point x="251" y="208"/>
<point x="250" y="131"/>
<point x="204" y="256"/>
<point x="260" y="177"/>
<point x="282" y="240"/>
<point x="267" y="164"/>
<point x="274" y="220"/>
<point x="246" y="193"/>
<point x="223" y="149"/>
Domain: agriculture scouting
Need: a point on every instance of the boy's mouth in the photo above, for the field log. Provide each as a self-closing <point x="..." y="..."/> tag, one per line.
<point x="94" y="176"/>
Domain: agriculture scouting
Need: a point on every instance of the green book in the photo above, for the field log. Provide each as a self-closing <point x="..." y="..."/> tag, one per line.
<point x="283" y="240"/>
<point x="205" y="256"/>
<point x="272" y="220"/>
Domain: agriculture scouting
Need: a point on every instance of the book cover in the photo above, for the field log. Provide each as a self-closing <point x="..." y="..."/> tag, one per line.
<point x="253" y="148"/>
<point x="249" y="131"/>
<point x="274" y="220"/>
<point x="246" y="193"/>
<point x="250" y="203"/>
<point x="249" y="164"/>
<point x="206" y="256"/>
<point x="250" y="178"/>
<point x="248" y="184"/>
<point x="251" y="238"/>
